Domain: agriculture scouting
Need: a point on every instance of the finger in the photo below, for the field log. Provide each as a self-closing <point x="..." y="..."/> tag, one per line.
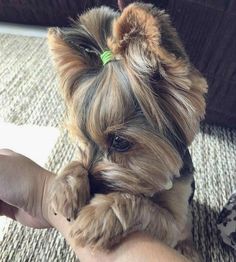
<point x="21" y="216"/>
<point x="7" y="152"/>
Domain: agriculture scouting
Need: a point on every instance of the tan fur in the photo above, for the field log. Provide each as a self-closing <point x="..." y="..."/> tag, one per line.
<point x="138" y="26"/>
<point x="70" y="192"/>
<point x="108" y="218"/>
<point x="149" y="95"/>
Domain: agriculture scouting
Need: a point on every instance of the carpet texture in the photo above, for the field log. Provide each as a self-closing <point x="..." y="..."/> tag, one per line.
<point x="28" y="95"/>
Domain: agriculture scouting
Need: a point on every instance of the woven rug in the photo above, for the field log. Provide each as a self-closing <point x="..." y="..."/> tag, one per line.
<point x="28" y="95"/>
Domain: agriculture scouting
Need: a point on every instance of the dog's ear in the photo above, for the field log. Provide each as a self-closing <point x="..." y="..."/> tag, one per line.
<point x="73" y="54"/>
<point x="135" y="33"/>
<point x="65" y="58"/>
<point x="144" y="35"/>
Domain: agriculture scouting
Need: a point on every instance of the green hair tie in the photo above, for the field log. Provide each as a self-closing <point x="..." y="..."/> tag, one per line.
<point x="106" y="57"/>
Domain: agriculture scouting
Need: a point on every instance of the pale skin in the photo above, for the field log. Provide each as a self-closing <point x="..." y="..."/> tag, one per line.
<point x="23" y="197"/>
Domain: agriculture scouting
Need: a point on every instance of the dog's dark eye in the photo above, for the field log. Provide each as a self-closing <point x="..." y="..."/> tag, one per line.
<point x="120" y="144"/>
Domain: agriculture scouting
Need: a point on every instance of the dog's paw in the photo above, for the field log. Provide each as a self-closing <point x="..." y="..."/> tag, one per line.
<point x="97" y="225"/>
<point x="70" y="191"/>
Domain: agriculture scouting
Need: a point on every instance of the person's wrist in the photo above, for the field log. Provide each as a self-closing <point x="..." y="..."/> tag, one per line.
<point x="45" y="203"/>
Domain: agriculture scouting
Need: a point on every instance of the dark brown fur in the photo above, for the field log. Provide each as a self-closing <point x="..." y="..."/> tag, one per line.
<point x="149" y="94"/>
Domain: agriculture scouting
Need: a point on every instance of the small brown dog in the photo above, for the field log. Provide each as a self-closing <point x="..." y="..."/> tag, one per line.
<point x="133" y="112"/>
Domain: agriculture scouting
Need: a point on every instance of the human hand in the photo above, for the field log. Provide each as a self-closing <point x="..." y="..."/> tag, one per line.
<point x="23" y="196"/>
<point x="22" y="189"/>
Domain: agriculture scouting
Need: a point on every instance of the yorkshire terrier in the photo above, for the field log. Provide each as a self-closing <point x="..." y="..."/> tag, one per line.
<point x="134" y="103"/>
